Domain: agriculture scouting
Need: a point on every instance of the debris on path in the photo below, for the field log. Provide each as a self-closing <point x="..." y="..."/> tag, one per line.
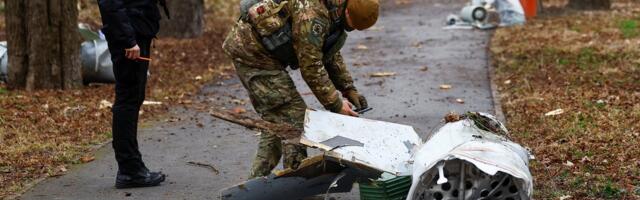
<point x="208" y="166"/>
<point x="382" y="74"/>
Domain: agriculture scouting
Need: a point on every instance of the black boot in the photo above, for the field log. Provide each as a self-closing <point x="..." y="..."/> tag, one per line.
<point x="140" y="179"/>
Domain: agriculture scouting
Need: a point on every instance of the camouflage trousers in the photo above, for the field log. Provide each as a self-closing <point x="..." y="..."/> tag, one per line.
<point x="274" y="96"/>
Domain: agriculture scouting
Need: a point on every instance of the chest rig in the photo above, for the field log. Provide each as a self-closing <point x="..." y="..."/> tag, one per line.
<point x="272" y="21"/>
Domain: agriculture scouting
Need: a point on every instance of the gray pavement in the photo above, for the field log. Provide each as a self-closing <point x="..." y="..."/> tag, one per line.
<point x="407" y="38"/>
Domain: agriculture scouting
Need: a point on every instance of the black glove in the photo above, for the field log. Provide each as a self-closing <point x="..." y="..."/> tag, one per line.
<point x="355" y="98"/>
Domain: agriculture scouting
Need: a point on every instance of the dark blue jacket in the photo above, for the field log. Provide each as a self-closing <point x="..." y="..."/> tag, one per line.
<point x="124" y="20"/>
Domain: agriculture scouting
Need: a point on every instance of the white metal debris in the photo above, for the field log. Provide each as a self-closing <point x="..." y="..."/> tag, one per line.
<point x="397" y="149"/>
<point x="377" y="144"/>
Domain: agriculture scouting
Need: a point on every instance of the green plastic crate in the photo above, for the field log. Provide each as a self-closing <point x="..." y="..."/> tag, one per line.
<point x="388" y="187"/>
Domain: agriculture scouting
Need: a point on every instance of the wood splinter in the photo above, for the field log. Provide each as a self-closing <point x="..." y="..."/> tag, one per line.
<point x="284" y="131"/>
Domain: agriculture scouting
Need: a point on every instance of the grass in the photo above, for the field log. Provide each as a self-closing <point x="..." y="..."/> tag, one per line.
<point x="629" y="28"/>
<point x="587" y="63"/>
<point x="43" y="133"/>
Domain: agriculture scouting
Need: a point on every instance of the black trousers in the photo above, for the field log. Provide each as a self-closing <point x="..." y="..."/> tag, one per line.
<point x="131" y="80"/>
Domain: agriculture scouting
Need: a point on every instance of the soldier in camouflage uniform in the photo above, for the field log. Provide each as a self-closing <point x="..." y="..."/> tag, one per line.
<point x="317" y="31"/>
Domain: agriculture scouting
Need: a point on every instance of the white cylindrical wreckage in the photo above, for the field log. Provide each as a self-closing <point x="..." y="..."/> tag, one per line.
<point x="466" y="160"/>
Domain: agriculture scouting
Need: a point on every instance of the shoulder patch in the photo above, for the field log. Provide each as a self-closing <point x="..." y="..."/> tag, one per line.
<point x="316" y="31"/>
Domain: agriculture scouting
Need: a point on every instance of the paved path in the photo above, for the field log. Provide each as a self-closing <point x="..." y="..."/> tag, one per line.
<point x="407" y="38"/>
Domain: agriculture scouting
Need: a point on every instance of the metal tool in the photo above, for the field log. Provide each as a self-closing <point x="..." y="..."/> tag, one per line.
<point x="362" y="110"/>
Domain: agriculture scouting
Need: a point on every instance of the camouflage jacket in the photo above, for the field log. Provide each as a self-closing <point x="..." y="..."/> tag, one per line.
<point x="310" y="22"/>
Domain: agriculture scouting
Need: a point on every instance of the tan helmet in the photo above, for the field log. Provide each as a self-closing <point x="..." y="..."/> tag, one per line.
<point x="363" y="13"/>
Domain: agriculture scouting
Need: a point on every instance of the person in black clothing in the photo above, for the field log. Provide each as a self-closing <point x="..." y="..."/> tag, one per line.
<point x="129" y="27"/>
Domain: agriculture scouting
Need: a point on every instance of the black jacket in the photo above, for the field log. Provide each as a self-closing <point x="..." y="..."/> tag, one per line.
<point x="124" y="20"/>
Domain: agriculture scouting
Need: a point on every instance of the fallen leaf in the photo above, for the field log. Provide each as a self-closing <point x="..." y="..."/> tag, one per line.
<point x="362" y="47"/>
<point x="185" y="102"/>
<point x="565" y="197"/>
<point x="403" y="2"/>
<point x="445" y="86"/>
<point x="460" y="101"/>
<point x="105" y="104"/>
<point x="86" y="159"/>
<point x="151" y="103"/>
<point x="568" y="164"/>
<point x="424" y="68"/>
<point x="554" y="112"/>
<point x="197" y="78"/>
<point x="239" y="110"/>
<point x="507" y="82"/>
<point x="382" y="74"/>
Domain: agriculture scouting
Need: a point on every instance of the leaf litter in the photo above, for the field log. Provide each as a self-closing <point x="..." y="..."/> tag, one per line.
<point x="586" y="62"/>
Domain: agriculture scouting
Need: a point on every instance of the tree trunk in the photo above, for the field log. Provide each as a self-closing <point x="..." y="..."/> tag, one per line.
<point x="43" y="44"/>
<point x="186" y="19"/>
<point x="589" y="4"/>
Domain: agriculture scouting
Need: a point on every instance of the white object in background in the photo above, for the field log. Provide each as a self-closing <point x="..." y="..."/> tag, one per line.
<point x="510" y="11"/>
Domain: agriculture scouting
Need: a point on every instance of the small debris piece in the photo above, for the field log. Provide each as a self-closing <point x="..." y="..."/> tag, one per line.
<point x="208" y="166"/>
<point x="554" y="112"/>
<point x="382" y="74"/>
<point x="197" y="78"/>
<point x="424" y="68"/>
<point x="445" y="86"/>
<point x="460" y="101"/>
<point x="507" y="82"/>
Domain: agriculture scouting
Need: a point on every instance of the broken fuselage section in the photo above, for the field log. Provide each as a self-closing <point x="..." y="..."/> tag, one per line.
<point x="469" y="157"/>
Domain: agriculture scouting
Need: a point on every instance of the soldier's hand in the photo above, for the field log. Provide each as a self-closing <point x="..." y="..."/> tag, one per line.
<point x="132" y="53"/>
<point x="356" y="99"/>
<point x="347" y="110"/>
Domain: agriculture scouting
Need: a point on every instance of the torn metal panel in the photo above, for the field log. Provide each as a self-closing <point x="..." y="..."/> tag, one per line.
<point x="381" y="145"/>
